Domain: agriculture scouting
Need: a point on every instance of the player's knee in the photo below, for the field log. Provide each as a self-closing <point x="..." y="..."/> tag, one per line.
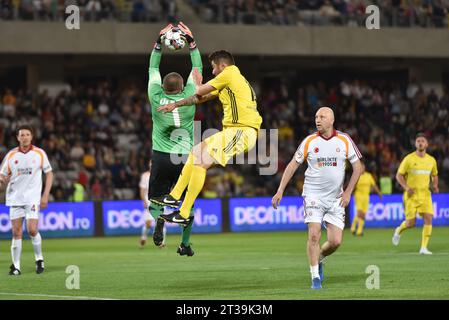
<point x="32" y="232"/>
<point x="314" y="237"/>
<point x="410" y="223"/>
<point x="335" y="243"/>
<point x="17" y="234"/>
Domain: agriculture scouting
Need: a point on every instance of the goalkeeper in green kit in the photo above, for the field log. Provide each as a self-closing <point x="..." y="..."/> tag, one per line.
<point x="172" y="133"/>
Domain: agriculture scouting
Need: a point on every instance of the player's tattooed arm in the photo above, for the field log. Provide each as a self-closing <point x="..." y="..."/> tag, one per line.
<point x="194" y="99"/>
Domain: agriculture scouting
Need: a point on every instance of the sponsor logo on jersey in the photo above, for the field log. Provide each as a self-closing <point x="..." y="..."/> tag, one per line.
<point x="21" y="171"/>
<point x="316" y="150"/>
<point x="327" y="162"/>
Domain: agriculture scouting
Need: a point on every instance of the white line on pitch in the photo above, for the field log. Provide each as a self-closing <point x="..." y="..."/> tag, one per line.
<point x="51" y="296"/>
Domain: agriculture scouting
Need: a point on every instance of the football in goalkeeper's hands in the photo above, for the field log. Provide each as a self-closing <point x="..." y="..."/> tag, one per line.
<point x="174" y="39"/>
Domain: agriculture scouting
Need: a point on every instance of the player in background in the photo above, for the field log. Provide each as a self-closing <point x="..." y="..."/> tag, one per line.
<point x="21" y="171"/>
<point x="326" y="152"/>
<point x="172" y="133"/>
<point x="143" y="192"/>
<point x="241" y="123"/>
<point x="361" y="196"/>
<point x="414" y="174"/>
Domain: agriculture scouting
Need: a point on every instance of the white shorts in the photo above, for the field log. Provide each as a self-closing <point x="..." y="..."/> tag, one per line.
<point x="27" y="212"/>
<point x="324" y="210"/>
<point x="147" y="216"/>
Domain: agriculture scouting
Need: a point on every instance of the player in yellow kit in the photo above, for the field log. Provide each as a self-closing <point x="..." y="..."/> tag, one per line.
<point x="361" y="197"/>
<point x="414" y="175"/>
<point x="241" y="123"/>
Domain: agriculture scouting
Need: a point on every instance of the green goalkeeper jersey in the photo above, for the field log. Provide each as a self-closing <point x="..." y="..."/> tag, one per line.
<point x="172" y="131"/>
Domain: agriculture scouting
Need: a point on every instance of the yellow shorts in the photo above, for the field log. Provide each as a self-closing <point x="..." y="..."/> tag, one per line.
<point x="414" y="205"/>
<point x="361" y="203"/>
<point x="229" y="142"/>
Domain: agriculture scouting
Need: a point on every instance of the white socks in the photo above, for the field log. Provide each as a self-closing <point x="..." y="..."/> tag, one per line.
<point x="37" y="246"/>
<point x="144" y="234"/>
<point x="16" y="251"/>
<point x="314" y="271"/>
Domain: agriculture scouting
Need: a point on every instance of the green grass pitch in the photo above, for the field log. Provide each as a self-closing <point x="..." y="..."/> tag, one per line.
<point x="231" y="266"/>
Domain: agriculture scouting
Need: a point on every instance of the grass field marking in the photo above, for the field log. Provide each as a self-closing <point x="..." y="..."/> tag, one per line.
<point x="52" y="296"/>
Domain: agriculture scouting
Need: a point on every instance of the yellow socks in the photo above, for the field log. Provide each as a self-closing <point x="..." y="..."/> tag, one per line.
<point x="426" y="232"/>
<point x="354" y="224"/>
<point x="183" y="179"/>
<point x="402" y="227"/>
<point x="360" y="228"/>
<point x="196" y="183"/>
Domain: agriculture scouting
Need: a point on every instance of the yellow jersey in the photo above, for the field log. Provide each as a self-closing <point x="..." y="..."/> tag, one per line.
<point x="417" y="171"/>
<point x="238" y="99"/>
<point x="363" y="186"/>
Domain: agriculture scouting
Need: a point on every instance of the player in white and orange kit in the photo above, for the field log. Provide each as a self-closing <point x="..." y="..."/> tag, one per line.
<point x="144" y="185"/>
<point x="21" y="171"/>
<point x="326" y="152"/>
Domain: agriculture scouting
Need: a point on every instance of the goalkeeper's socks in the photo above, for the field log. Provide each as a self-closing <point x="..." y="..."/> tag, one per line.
<point x="155" y="210"/>
<point x="196" y="183"/>
<point x="187" y="230"/>
<point x="426" y="232"/>
<point x="184" y="178"/>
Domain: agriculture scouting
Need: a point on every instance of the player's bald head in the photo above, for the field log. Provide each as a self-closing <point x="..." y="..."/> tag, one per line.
<point x="173" y="83"/>
<point x="326" y="111"/>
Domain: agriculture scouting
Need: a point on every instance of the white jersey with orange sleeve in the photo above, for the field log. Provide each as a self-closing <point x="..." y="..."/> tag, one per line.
<point x="326" y="160"/>
<point x="25" y="172"/>
<point x="145" y="183"/>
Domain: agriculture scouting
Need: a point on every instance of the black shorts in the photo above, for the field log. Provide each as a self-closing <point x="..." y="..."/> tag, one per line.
<point x="164" y="173"/>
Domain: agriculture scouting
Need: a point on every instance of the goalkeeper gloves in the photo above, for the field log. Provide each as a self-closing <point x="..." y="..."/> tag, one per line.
<point x="187" y="34"/>
<point x="158" y="44"/>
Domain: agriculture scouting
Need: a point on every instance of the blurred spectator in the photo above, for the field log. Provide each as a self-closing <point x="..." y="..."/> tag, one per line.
<point x="93" y="10"/>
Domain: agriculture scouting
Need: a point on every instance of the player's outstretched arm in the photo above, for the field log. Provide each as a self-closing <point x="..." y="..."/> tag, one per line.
<point x="356" y="173"/>
<point x="154" y="76"/>
<point x="286" y="177"/>
<point x="192" y="100"/>
<point x="195" y="77"/>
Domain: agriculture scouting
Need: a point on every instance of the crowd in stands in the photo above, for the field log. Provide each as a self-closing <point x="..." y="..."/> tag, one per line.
<point x="90" y="10"/>
<point x="401" y="13"/>
<point x="100" y="136"/>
